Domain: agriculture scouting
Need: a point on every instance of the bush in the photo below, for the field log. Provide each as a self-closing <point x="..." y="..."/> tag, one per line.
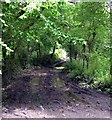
<point x="9" y="71"/>
<point x="44" y="60"/>
<point x="75" y="68"/>
<point x="96" y="75"/>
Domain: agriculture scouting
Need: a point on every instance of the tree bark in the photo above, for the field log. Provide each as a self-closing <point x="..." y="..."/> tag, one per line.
<point x="70" y="50"/>
<point x="54" y="48"/>
<point x="111" y="42"/>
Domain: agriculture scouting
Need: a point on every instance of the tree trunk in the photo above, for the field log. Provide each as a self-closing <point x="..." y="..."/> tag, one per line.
<point x="4" y="54"/>
<point x="39" y="49"/>
<point x="111" y="42"/>
<point x="70" y="50"/>
<point x="52" y="54"/>
<point x="84" y="49"/>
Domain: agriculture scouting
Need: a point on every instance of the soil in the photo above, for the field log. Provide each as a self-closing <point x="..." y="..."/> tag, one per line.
<point x="48" y="93"/>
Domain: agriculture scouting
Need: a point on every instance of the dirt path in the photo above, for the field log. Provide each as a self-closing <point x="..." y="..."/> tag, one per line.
<point x="45" y="93"/>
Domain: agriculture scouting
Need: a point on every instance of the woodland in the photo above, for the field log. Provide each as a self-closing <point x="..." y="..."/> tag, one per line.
<point x="56" y="53"/>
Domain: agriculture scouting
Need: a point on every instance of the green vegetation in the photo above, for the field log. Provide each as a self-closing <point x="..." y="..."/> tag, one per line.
<point x="34" y="33"/>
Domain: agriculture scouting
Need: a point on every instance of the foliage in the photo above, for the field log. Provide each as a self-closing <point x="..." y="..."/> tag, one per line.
<point x="34" y="31"/>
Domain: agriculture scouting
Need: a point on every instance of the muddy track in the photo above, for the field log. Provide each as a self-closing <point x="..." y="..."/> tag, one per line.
<point x="45" y="93"/>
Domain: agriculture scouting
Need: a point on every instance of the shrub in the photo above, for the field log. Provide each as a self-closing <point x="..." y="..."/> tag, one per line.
<point x="75" y="68"/>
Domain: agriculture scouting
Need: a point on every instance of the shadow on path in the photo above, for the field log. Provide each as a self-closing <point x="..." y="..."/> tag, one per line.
<point x="47" y="89"/>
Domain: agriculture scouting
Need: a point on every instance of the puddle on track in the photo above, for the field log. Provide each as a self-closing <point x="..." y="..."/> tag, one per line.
<point x="36" y="82"/>
<point x="57" y="82"/>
